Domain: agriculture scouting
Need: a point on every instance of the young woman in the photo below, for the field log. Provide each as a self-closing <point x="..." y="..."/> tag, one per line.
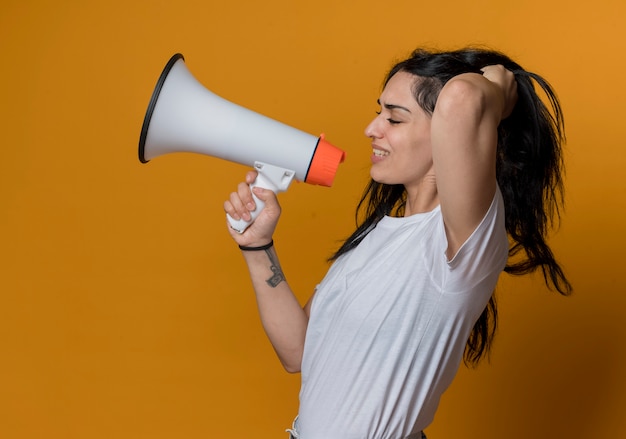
<point x="465" y="182"/>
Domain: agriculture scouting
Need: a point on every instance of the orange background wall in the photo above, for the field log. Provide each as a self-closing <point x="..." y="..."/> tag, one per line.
<point x="125" y="310"/>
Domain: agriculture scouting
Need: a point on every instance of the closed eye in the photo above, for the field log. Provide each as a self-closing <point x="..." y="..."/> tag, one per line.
<point x="390" y="120"/>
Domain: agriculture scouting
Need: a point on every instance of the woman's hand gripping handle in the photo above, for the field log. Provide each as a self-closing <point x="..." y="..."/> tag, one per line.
<point x="245" y="206"/>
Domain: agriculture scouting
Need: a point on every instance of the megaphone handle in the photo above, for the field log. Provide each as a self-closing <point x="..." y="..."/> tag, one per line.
<point x="270" y="177"/>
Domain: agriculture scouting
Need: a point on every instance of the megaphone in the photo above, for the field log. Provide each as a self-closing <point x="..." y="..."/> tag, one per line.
<point x="183" y="116"/>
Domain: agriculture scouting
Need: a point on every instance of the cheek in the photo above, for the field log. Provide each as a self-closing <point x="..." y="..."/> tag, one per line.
<point x="422" y="143"/>
<point x="417" y="147"/>
<point x="416" y="160"/>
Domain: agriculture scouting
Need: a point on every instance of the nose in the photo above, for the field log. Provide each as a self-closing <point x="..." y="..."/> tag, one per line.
<point x="372" y="130"/>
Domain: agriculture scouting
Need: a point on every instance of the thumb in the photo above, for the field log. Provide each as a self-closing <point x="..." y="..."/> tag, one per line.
<point x="269" y="198"/>
<point x="267" y="219"/>
<point x="265" y="195"/>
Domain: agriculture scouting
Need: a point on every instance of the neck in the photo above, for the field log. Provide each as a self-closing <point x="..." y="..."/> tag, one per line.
<point x="422" y="198"/>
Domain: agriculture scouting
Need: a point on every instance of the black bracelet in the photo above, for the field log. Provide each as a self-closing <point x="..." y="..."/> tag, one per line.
<point x="256" y="249"/>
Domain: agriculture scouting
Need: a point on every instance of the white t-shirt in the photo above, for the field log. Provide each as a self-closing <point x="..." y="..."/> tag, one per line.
<point x="389" y="324"/>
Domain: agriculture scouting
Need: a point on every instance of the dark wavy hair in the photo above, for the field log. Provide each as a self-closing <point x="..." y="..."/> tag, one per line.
<point x="529" y="168"/>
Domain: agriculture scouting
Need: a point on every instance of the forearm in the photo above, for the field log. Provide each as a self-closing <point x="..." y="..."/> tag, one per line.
<point x="282" y="316"/>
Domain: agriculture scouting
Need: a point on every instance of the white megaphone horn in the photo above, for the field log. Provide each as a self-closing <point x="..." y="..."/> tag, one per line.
<point x="183" y="116"/>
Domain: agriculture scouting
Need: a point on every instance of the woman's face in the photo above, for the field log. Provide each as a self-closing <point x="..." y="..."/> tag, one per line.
<point x="402" y="152"/>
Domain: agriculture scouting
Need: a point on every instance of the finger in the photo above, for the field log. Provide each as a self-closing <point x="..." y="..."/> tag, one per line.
<point x="245" y="194"/>
<point x="236" y="208"/>
<point x="228" y="207"/>
<point x="251" y="176"/>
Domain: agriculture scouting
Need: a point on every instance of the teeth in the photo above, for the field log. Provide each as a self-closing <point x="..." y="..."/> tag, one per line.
<point x="380" y="153"/>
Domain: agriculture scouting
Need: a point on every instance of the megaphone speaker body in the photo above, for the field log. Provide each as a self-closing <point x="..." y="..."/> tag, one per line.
<point x="184" y="116"/>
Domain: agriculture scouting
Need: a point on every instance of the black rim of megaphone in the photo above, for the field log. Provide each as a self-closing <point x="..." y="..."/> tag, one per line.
<point x="152" y="104"/>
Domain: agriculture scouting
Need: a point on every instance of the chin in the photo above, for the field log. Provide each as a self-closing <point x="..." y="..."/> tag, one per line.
<point x="381" y="179"/>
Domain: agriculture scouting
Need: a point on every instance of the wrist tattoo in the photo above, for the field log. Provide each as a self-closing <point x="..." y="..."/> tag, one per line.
<point x="277" y="276"/>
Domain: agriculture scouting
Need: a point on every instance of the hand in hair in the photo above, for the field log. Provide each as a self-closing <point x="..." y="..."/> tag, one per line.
<point x="506" y="83"/>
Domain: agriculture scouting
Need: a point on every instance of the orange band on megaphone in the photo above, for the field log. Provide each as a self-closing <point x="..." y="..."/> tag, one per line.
<point x="326" y="160"/>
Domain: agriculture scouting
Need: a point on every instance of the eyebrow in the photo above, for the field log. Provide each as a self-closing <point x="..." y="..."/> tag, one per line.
<point x="393" y="107"/>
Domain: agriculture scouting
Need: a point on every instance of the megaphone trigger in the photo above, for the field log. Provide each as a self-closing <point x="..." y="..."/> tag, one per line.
<point x="270" y="177"/>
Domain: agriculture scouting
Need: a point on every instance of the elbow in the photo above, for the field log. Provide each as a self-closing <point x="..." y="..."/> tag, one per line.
<point x="291" y="366"/>
<point x="292" y="369"/>
<point x="291" y="363"/>
<point x="461" y="97"/>
<point x="472" y="99"/>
